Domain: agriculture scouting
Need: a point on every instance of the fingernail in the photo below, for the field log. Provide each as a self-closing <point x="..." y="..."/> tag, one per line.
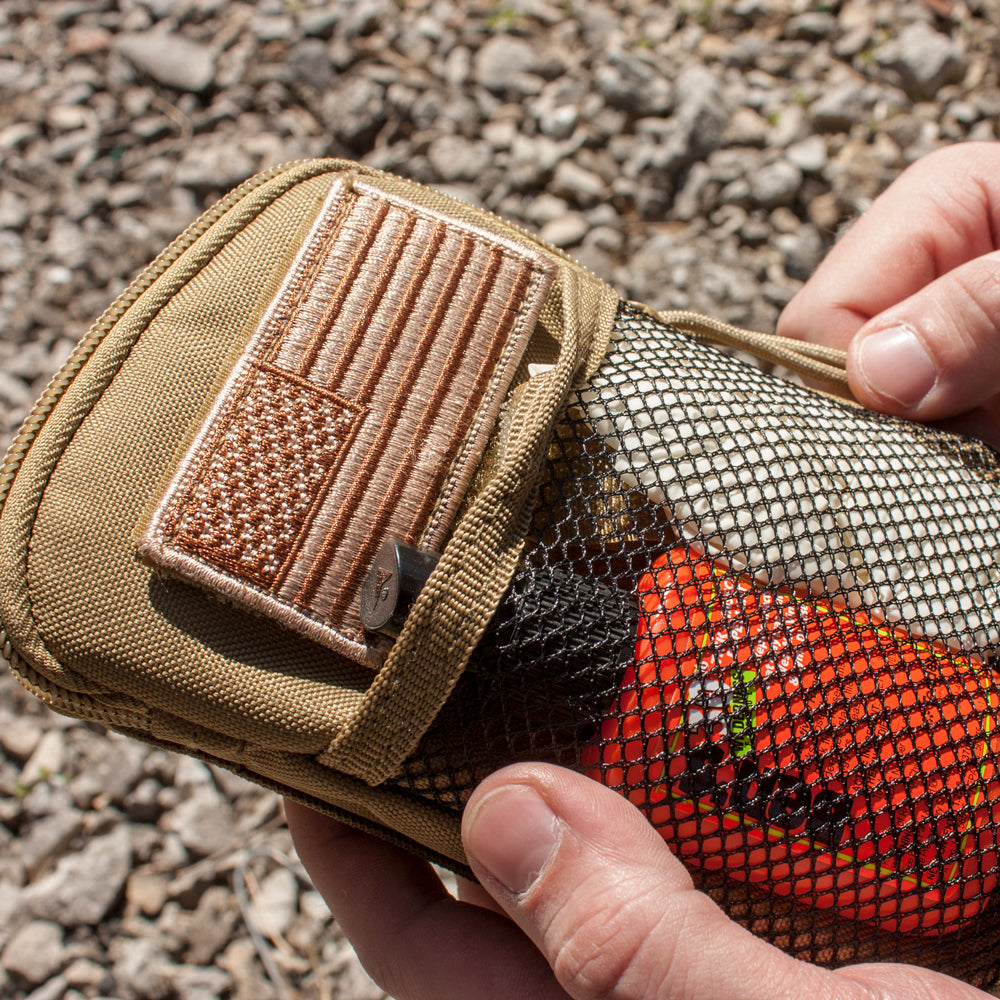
<point x="512" y="833"/>
<point x="896" y="366"/>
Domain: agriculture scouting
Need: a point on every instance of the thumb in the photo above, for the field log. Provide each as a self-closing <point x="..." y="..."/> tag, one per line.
<point x="937" y="353"/>
<point x="613" y="912"/>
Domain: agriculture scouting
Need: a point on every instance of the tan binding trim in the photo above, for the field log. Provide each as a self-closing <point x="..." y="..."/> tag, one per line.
<point x="814" y="361"/>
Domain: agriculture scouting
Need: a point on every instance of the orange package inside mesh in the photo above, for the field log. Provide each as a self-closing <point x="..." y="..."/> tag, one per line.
<point x="807" y="748"/>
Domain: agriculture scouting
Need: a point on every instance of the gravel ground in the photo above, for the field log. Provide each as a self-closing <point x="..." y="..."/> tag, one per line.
<point x="698" y="155"/>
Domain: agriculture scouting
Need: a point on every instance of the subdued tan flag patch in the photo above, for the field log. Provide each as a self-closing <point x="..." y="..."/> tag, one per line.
<point x="359" y="410"/>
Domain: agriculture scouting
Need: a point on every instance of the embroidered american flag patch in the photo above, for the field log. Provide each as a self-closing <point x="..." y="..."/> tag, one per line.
<point x="359" y="410"/>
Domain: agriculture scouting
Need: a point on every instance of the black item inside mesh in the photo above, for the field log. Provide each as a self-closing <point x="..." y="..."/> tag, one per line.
<point x="768" y="618"/>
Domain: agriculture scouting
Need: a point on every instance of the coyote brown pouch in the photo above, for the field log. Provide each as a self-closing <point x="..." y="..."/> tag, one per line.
<point x="765" y="615"/>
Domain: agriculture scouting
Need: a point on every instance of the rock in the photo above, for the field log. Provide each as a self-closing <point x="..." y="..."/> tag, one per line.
<point x="85" y="885"/>
<point x="35" y="952"/>
<point x="455" y="158"/>
<point x="775" y="184"/>
<point x="53" y="989"/>
<point x="14" y="210"/>
<point x="811" y="26"/>
<point x="801" y="252"/>
<point x="747" y="128"/>
<point x="501" y="61"/>
<point x="575" y="183"/>
<point x="112" y="776"/>
<point x="141" y="970"/>
<point x="278" y="900"/>
<point x="19" y="734"/>
<point x="809" y="155"/>
<point x="171" y="59"/>
<point x="205" y="932"/>
<point x="146" y="892"/>
<point x="49" y="837"/>
<point x="840" y="108"/>
<point x="213" y="167"/>
<point x="83" y="973"/>
<point x="701" y="112"/>
<point x="824" y="212"/>
<point x="363" y="17"/>
<point x="200" y="982"/>
<point x="634" y="85"/>
<point x="12" y="914"/>
<point x="49" y="757"/>
<point x="141" y="804"/>
<point x="566" y="231"/>
<point x="355" y="111"/>
<point x="191" y="774"/>
<point x="310" y="66"/>
<point x="204" y="822"/>
<point x="924" y="60"/>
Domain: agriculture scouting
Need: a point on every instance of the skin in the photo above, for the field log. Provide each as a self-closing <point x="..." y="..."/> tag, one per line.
<point x="579" y="896"/>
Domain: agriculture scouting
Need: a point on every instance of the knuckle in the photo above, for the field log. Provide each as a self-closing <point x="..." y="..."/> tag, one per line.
<point x="615" y="951"/>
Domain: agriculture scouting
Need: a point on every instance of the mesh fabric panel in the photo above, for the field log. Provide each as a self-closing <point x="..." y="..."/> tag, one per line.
<point x="767" y="618"/>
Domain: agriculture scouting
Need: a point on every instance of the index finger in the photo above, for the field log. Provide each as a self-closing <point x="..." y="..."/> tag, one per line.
<point x="940" y="213"/>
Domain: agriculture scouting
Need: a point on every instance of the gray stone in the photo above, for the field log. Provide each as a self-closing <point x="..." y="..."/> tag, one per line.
<point x="544" y="208"/>
<point x="213" y="166"/>
<point x="690" y="201"/>
<point x="141" y="969"/>
<point x="801" y="252"/>
<point x="83" y="886"/>
<point x="168" y="58"/>
<point x="566" y="231"/>
<point x="747" y="128"/>
<point x="840" y="107"/>
<point x="204" y="822"/>
<point x="812" y="26"/>
<point x="575" y="183"/>
<point x="49" y="837"/>
<point x="278" y="899"/>
<point x="355" y="110"/>
<point x="12" y="913"/>
<point x="201" y="982"/>
<point x="141" y="805"/>
<point x="112" y="776"/>
<point x="455" y="158"/>
<point x="84" y="972"/>
<point x="701" y="113"/>
<point x="633" y="84"/>
<point x="274" y="28"/>
<point x="35" y="952"/>
<point x="310" y="65"/>
<point x="14" y="210"/>
<point x="363" y="17"/>
<point x="924" y="60"/>
<point x="809" y="155"/>
<point x="49" y="757"/>
<point x="54" y="989"/>
<point x="501" y="61"/>
<point x="775" y="184"/>
<point x="319" y="21"/>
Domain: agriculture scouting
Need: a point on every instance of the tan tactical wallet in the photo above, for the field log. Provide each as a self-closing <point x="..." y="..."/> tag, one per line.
<point x="766" y="616"/>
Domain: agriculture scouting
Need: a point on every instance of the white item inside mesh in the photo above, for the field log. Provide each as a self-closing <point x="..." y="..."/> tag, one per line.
<point x="799" y="489"/>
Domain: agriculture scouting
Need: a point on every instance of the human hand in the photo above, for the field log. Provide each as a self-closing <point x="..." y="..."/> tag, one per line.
<point x="912" y="292"/>
<point x="585" y="900"/>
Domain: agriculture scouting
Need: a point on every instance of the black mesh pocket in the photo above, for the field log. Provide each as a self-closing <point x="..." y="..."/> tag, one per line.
<point x="769" y="619"/>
